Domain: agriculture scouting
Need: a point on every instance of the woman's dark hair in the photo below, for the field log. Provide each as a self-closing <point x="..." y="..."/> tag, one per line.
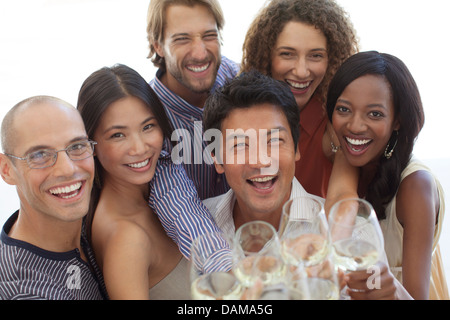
<point x="408" y="111"/>
<point x="98" y="92"/>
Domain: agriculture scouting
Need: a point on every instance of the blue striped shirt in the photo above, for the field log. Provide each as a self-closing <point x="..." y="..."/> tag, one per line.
<point x="183" y="215"/>
<point x="188" y="119"/>
<point x="31" y="273"/>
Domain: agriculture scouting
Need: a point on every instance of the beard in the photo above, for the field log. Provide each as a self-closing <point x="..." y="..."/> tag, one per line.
<point x="198" y="86"/>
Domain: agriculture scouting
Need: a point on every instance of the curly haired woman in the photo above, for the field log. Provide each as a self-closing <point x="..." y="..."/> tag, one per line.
<point x="303" y="43"/>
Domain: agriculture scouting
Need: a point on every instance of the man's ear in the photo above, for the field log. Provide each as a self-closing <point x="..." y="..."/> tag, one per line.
<point x="6" y="170"/>
<point x="298" y="156"/>
<point x="158" y="49"/>
<point x="217" y="164"/>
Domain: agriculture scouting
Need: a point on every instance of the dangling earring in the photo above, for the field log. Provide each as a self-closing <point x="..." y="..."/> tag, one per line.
<point x="388" y="154"/>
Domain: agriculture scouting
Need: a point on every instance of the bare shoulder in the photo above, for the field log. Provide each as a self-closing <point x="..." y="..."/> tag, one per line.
<point x="126" y="259"/>
<point x="417" y="198"/>
<point x="129" y="232"/>
<point x="127" y="235"/>
<point x="116" y="238"/>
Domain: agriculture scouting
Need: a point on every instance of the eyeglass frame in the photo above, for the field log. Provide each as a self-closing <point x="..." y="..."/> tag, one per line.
<point x="55" y="154"/>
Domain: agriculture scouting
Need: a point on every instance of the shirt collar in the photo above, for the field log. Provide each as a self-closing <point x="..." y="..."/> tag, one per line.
<point x="224" y="211"/>
<point x="177" y="103"/>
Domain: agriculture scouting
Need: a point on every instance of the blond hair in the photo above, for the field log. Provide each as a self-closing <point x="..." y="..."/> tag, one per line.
<point x="156" y="24"/>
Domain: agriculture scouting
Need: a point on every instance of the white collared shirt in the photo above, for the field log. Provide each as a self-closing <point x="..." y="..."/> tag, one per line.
<point x="221" y="207"/>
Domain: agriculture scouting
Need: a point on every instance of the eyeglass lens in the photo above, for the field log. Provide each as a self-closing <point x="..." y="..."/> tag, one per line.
<point x="45" y="158"/>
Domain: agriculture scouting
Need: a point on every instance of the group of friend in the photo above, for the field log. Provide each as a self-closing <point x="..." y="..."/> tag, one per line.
<point x="105" y="212"/>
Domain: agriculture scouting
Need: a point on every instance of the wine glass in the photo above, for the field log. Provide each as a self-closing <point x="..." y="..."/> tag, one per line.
<point x="356" y="235"/>
<point x="315" y="282"/>
<point x="304" y="232"/>
<point x="256" y="254"/>
<point x="306" y="248"/>
<point x="210" y="273"/>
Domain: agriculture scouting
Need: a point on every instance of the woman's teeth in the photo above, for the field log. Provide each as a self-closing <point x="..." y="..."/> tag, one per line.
<point x="358" y="145"/>
<point x="357" y="142"/>
<point x="298" y="85"/>
<point x="67" y="192"/>
<point x="140" y="164"/>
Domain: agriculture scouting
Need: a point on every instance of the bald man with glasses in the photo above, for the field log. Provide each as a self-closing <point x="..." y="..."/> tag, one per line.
<point x="47" y="156"/>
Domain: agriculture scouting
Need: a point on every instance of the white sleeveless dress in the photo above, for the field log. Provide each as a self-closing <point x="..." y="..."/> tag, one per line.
<point x="175" y="286"/>
<point x="393" y="239"/>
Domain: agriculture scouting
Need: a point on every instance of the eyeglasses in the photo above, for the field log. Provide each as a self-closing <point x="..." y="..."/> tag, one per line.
<point x="47" y="157"/>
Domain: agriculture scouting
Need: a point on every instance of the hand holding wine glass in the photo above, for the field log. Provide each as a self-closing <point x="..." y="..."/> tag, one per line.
<point x="303" y="231"/>
<point x="305" y="247"/>
<point x="356" y="235"/>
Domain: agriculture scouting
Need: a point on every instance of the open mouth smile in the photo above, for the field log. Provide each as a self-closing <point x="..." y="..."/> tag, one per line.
<point x="139" y="165"/>
<point x="198" y="68"/>
<point x="263" y="183"/>
<point x="299" y="85"/>
<point x="67" y="192"/>
<point x="358" y="145"/>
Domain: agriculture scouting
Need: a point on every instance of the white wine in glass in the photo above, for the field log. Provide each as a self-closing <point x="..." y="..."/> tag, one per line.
<point x="356" y="234"/>
<point x="267" y="269"/>
<point x="304" y="232"/>
<point x="256" y="254"/>
<point x="211" y="278"/>
<point x="355" y="254"/>
<point x="216" y="286"/>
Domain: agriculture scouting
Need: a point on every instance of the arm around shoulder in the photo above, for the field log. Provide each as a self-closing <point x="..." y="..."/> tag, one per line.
<point x="343" y="182"/>
<point x="174" y="199"/>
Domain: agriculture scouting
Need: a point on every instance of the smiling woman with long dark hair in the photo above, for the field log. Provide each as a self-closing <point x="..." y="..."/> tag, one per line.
<point x="375" y="107"/>
<point x="134" y="180"/>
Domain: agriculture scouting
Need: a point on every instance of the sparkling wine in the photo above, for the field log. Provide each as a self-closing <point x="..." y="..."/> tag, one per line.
<point x="216" y="286"/>
<point x="314" y="289"/>
<point x="267" y="269"/>
<point x="355" y="254"/>
<point x="307" y="248"/>
<point x="322" y="289"/>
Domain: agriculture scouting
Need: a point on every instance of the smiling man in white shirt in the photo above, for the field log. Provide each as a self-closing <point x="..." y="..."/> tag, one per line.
<point x="259" y="123"/>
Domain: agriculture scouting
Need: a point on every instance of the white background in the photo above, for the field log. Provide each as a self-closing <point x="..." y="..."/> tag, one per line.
<point x="48" y="47"/>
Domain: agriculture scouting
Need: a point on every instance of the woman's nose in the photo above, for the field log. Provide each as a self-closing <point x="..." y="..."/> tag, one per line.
<point x="138" y="146"/>
<point x="356" y="124"/>
<point x="301" y="68"/>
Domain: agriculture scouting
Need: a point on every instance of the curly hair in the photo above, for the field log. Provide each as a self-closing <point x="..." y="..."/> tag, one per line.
<point x="325" y="15"/>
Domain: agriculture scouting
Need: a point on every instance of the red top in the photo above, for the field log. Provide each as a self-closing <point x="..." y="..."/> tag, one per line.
<point x="313" y="170"/>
